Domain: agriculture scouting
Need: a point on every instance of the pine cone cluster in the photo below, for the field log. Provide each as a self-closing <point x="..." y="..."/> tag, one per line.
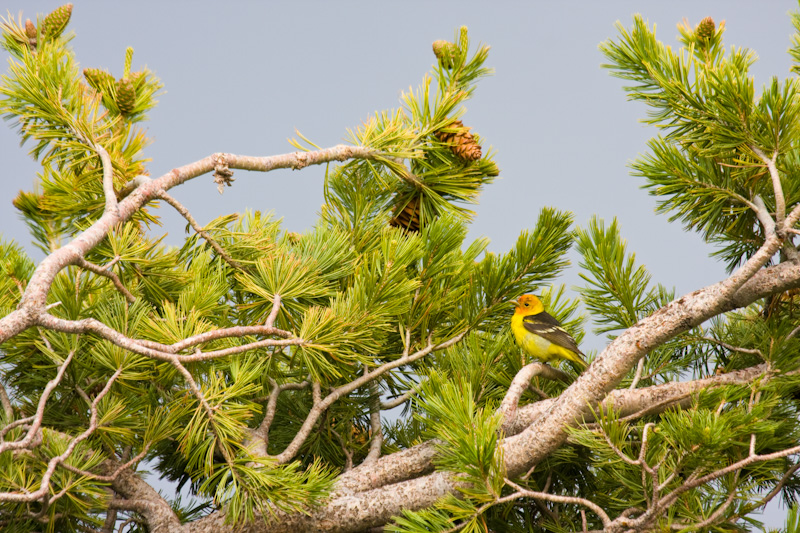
<point x="53" y="26"/>
<point x="100" y="80"/>
<point x="54" y="23"/>
<point x="706" y="29"/>
<point x="461" y="141"/>
<point x="126" y="96"/>
<point x="407" y="218"/>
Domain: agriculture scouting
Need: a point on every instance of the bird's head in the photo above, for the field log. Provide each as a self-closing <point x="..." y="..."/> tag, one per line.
<point x="528" y="304"/>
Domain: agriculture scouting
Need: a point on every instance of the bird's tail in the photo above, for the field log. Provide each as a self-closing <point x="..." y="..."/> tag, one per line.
<point x="578" y="362"/>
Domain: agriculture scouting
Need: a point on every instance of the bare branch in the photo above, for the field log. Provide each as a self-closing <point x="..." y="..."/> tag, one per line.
<point x="400" y="400"/>
<point x="108" y="180"/>
<point x="574" y="500"/>
<point x="780" y="202"/>
<point x="273" y="314"/>
<point x="152" y="350"/>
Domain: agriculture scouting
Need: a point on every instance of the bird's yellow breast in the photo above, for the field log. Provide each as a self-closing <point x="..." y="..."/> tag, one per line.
<point x="537" y="346"/>
<point x="533" y="345"/>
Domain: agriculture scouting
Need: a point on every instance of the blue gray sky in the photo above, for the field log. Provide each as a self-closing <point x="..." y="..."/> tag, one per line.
<point x="241" y="76"/>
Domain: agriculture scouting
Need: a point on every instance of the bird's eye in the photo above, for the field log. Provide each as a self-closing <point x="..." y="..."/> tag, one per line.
<point x="526" y="304"/>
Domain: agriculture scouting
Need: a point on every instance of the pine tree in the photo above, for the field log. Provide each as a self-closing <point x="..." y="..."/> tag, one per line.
<point x="256" y="365"/>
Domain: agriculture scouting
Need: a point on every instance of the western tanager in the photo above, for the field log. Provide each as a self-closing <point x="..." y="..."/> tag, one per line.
<point x="540" y="335"/>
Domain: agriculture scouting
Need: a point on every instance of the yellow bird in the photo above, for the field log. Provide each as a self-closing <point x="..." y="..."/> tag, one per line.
<point x="540" y="335"/>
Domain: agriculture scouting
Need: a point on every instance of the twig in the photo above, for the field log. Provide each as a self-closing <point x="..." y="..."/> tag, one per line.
<point x="108" y="273"/>
<point x="752" y="351"/>
<point x="400" y="400"/>
<point x="695" y="480"/>
<point x="712" y="518"/>
<point x="187" y="376"/>
<point x="200" y="231"/>
<point x="109" y="478"/>
<point x="638" y="375"/>
<point x="5" y="401"/>
<point x="348" y="454"/>
<point x="782" y="483"/>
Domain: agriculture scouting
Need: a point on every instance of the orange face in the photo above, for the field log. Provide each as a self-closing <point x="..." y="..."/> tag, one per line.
<point x="528" y="304"/>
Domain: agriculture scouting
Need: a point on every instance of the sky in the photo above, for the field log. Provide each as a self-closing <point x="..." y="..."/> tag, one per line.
<point x="241" y="78"/>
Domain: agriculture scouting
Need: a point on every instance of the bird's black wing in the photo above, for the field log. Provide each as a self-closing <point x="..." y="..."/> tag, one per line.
<point x="547" y="327"/>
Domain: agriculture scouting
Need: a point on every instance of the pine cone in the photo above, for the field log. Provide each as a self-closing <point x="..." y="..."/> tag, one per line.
<point x="54" y="23"/>
<point x="445" y="52"/>
<point x="30" y="29"/>
<point x="97" y="78"/>
<point x="126" y="96"/>
<point x="407" y="218"/>
<point x="461" y="141"/>
<point x="706" y="29"/>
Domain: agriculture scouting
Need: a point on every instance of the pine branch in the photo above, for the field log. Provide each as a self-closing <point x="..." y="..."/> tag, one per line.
<point x="53" y="463"/>
<point x="32" y="307"/>
<point x="319" y="407"/>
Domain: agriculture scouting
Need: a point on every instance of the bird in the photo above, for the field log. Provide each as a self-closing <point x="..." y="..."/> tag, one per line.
<point x="542" y="336"/>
